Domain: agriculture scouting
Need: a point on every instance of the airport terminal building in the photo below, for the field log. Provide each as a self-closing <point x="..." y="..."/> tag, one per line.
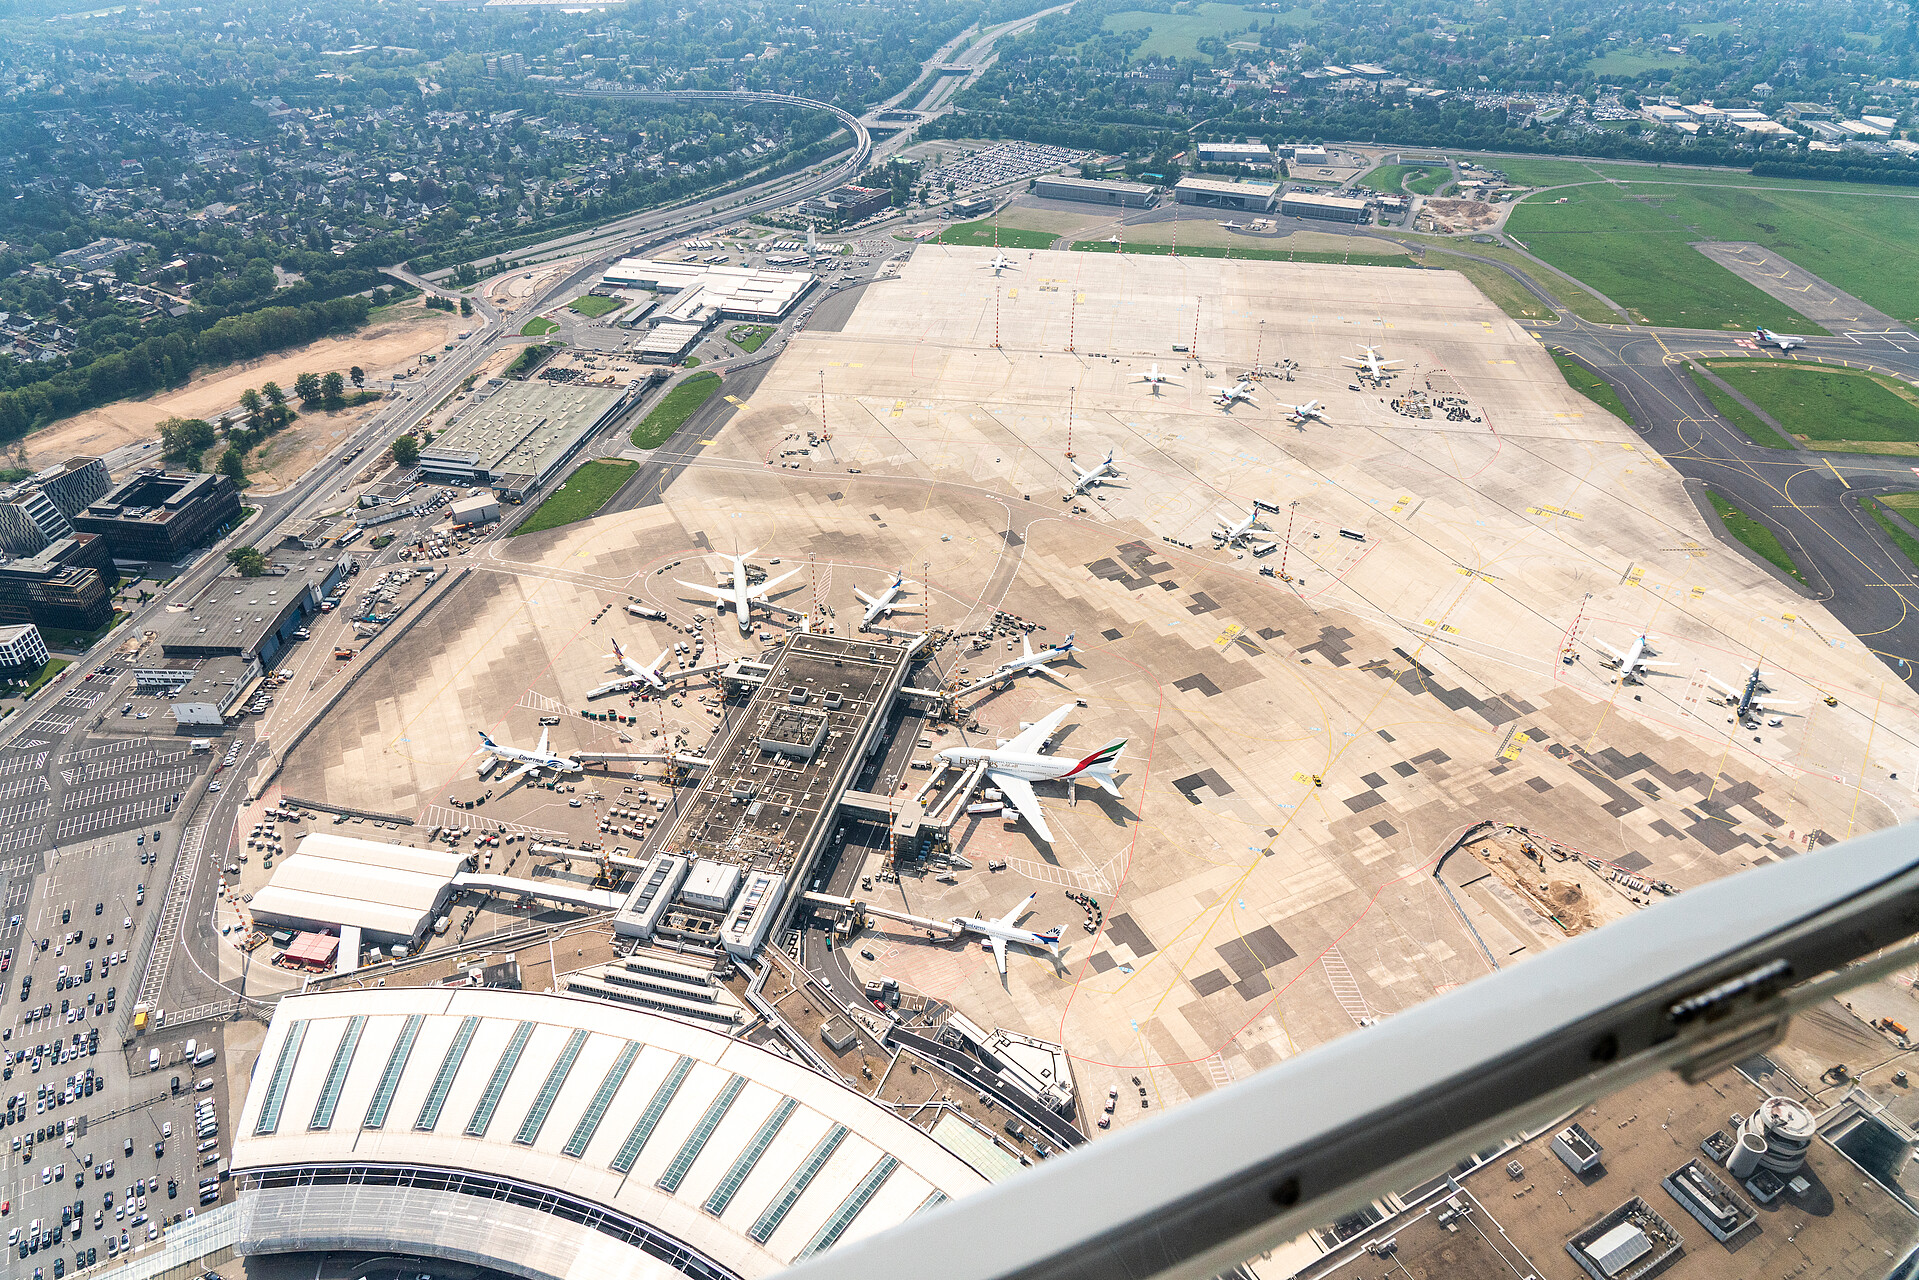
<point x="552" y="1137"/>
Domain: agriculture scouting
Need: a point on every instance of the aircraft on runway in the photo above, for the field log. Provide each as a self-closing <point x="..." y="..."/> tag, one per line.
<point x="1227" y="397"/>
<point x="1000" y="260"/>
<point x="1752" y="700"/>
<point x="1155" y="379"/>
<point x="1312" y="409"/>
<point x="1027" y="661"/>
<point x="1371" y="365"/>
<point x="881" y="605"/>
<point x="637" y="672"/>
<point x="530" y="761"/>
<point x="1006" y="929"/>
<point x="1784" y="341"/>
<point x="1634" y="662"/>
<point x="1232" y="532"/>
<point x="1090" y="476"/>
<point x="1016" y="766"/>
<point x="739" y="593"/>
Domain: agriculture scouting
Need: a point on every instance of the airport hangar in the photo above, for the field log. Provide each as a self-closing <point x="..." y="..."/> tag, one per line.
<point x="1334" y="732"/>
<point x="517" y="435"/>
<point x="559" y="1139"/>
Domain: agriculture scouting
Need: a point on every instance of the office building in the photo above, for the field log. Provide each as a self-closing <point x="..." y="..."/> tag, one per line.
<point x="40" y="509"/>
<point x="22" y="651"/>
<point x="160" y="516"/>
<point x="847" y="204"/>
<point x="68" y="586"/>
<point x="1250" y="155"/>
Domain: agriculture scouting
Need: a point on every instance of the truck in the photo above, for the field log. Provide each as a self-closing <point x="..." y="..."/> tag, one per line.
<point x="641" y="611"/>
<point x="201" y="744"/>
<point x="343" y="654"/>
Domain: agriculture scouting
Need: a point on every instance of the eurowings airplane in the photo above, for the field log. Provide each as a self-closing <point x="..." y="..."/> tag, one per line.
<point x="1227" y="397"/>
<point x="1312" y="409"/>
<point x="881" y="605"/>
<point x="739" y="594"/>
<point x="1232" y="531"/>
<point x="1371" y="365"/>
<point x="1006" y="929"/>
<point x="1634" y="662"/>
<point x="1154" y="379"/>
<point x="1090" y="476"/>
<point x="637" y="672"/>
<point x="530" y="761"/>
<point x="1027" y="661"/>
<point x="1015" y="767"/>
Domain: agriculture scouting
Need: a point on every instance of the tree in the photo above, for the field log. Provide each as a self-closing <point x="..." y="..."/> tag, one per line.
<point x="233" y="466"/>
<point x="333" y="388"/>
<point x="307" y="387"/>
<point x="183" y="439"/>
<point x="275" y="396"/>
<point x="250" y="402"/>
<point x="406" y="451"/>
<point x="358" y="375"/>
<point x="466" y="306"/>
<point x="248" y="561"/>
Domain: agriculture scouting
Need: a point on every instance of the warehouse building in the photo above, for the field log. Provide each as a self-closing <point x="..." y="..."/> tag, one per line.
<point x="39" y="511"/>
<point x="479" y="509"/>
<point x="1249" y="155"/>
<point x="160" y="516"/>
<point x="389" y="893"/>
<point x="549" y="1136"/>
<point x="706" y="292"/>
<point x="518" y="434"/>
<point x="68" y="585"/>
<point x="253" y="619"/>
<point x="1130" y="195"/>
<point x="211" y="691"/>
<point x="1311" y="204"/>
<point x="1212" y="193"/>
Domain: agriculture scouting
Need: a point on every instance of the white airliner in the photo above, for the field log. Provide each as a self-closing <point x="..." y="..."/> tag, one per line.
<point x="1634" y="662"/>
<point x="1233" y="531"/>
<point x="1006" y="929"/>
<point x="1784" y="341"/>
<point x="1312" y="409"/>
<point x="1115" y="240"/>
<point x="740" y="594"/>
<point x="1229" y="226"/>
<point x="1027" y="661"/>
<point x="1753" y="699"/>
<point x="530" y="761"/>
<point x="1155" y="379"/>
<point x="999" y="261"/>
<point x="881" y="605"/>
<point x="1015" y="767"/>
<point x="1227" y="397"/>
<point x="637" y="672"/>
<point x="1371" y="365"/>
<point x="1090" y="476"/>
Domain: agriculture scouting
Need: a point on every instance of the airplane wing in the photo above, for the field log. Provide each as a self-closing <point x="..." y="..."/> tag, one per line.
<point x="1021" y="793"/>
<point x="766" y="588"/>
<point x="1040" y="668"/>
<point x="1029" y="739"/>
<point x="1011" y="918"/>
<point x="543" y="735"/>
<point x="1609" y="649"/>
<point x="999" y="954"/>
<point x="714" y="592"/>
<point x="520" y="772"/>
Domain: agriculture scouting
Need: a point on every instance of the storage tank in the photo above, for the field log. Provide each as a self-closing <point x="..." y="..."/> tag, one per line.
<point x="1746" y="1154"/>
<point x="1787" y="1128"/>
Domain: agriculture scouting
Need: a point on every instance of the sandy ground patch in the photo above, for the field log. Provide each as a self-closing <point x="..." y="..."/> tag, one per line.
<point x="383" y="348"/>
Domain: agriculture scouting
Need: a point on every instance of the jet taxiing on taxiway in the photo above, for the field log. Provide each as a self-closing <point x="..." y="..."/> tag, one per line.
<point x="637" y="672"/>
<point x="530" y="761"/>
<point x="1006" y="929"/>
<point x="1784" y="341"/>
<point x="1090" y="476"/>
<point x="1634" y="662"/>
<point x="1369" y="363"/>
<point x="1016" y="766"/>
<point x="1154" y="379"/>
<point x="740" y="594"/>
<point x="1027" y="661"/>
<point x="882" y="605"/>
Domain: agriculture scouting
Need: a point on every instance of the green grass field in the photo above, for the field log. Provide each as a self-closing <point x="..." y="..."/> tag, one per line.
<point x="1253" y="255"/>
<point x="672" y="412"/>
<point x="538" y="327"/>
<point x="53" y="668"/>
<point x="1753" y="534"/>
<point x="1505" y="292"/>
<point x="1632" y="240"/>
<point x="1177" y="35"/>
<point x="1742" y="418"/>
<point x="1906" y="504"/>
<point x="1436" y="177"/>
<point x="981" y="233"/>
<point x="1568" y="295"/>
<point x="592" y="306"/>
<point x="583" y="494"/>
<point x="1625" y="64"/>
<point x="1907" y="544"/>
<point x="1591" y="385"/>
<point x="1387" y="177"/>
<point x="1823" y="404"/>
<point x="749" y="337"/>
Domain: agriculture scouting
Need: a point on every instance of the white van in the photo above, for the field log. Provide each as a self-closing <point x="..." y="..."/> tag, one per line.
<point x="153" y="1059"/>
<point x="203" y="1057"/>
<point x="192" y="1045"/>
<point x="206" y="1083"/>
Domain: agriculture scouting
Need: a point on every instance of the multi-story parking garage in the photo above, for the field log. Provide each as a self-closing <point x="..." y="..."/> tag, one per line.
<point x="546" y="1136"/>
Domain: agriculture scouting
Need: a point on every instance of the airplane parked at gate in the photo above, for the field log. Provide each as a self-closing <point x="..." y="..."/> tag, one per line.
<point x="637" y="672"/>
<point x="1006" y="929"/>
<point x="1369" y="363"/>
<point x="1016" y="766"/>
<point x="530" y="761"/>
<point x="1155" y="379"/>
<point x="881" y="605"/>
<point x="1227" y="397"/>
<point x="1233" y="532"/>
<point x="1754" y="699"/>
<point x="1634" y="662"/>
<point x="1027" y="661"/>
<point x="1090" y="476"/>
<point x="740" y="594"/>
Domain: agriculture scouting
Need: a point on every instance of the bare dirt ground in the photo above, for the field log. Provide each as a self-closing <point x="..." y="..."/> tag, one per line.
<point x="1462" y="215"/>
<point x="386" y="346"/>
